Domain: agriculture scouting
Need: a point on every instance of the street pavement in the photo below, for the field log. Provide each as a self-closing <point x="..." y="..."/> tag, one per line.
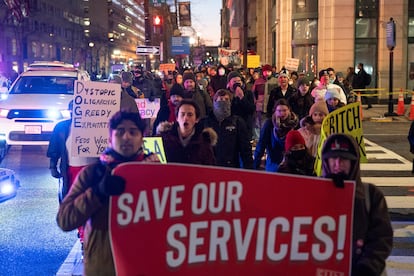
<point x="401" y="205"/>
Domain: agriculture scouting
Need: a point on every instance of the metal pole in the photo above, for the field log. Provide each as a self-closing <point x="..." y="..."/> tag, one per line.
<point x="390" y="99"/>
<point x="245" y="34"/>
<point x="147" y="33"/>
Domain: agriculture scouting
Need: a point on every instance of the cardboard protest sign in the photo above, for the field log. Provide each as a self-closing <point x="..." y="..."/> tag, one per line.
<point x="197" y="220"/>
<point x="155" y="145"/>
<point x="346" y="119"/>
<point x="165" y="67"/>
<point x="94" y="104"/>
<point x="292" y="64"/>
<point x="148" y="109"/>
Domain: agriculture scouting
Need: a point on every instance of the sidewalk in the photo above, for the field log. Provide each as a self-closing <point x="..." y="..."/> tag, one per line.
<point x="377" y="112"/>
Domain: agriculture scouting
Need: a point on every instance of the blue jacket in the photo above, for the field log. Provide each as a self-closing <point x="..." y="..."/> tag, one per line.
<point x="273" y="145"/>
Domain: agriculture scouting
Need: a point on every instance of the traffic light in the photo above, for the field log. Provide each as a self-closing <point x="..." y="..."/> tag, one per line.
<point x="157" y="20"/>
<point x="157" y="23"/>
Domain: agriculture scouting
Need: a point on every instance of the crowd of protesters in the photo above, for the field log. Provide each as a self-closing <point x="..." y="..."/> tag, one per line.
<point x="261" y="106"/>
<point x="232" y="118"/>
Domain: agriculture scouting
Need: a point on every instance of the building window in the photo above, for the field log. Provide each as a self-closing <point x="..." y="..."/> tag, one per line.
<point x="305" y="30"/>
<point x="304" y="44"/>
<point x="366" y="36"/>
<point x="305" y="35"/>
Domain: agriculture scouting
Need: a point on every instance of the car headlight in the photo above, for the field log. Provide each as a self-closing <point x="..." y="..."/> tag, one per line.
<point x="4" y="112"/>
<point x="7" y="188"/>
<point x="53" y="114"/>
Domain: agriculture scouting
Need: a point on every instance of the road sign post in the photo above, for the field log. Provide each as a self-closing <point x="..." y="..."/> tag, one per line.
<point x="391" y="42"/>
<point x="148" y="50"/>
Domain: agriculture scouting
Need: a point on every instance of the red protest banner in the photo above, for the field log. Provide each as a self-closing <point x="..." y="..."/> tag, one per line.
<point x="193" y="220"/>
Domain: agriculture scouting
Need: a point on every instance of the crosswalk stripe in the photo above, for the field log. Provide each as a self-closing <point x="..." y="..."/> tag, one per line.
<point x="390" y="181"/>
<point x="404" y="231"/>
<point x="399" y="202"/>
<point x="385" y="167"/>
<point x="376" y="155"/>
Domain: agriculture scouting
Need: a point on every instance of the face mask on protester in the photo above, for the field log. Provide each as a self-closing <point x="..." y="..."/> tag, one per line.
<point x="298" y="154"/>
<point x="222" y="109"/>
<point x="221" y="72"/>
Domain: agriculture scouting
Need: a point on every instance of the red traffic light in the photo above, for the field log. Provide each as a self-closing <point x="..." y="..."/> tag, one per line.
<point x="157" y="20"/>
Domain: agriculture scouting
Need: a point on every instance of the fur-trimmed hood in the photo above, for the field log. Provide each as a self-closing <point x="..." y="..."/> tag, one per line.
<point x="208" y="134"/>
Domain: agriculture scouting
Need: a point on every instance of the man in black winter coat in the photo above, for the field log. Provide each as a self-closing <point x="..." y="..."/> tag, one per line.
<point x="243" y="100"/>
<point x="360" y="81"/>
<point x="233" y="148"/>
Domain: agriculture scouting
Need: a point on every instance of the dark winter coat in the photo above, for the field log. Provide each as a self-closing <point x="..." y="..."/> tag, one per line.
<point x="411" y="137"/>
<point x="202" y="98"/>
<point x="361" y="80"/>
<point x="198" y="151"/>
<point x="233" y="145"/>
<point x="245" y="108"/>
<point x="301" y="105"/>
<point x="277" y="94"/>
<point x="163" y="115"/>
<point x="303" y="166"/>
<point x="372" y="230"/>
<point x="218" y="82"/>
<point x="58" y="153"/>
<point x="146" y="88"/>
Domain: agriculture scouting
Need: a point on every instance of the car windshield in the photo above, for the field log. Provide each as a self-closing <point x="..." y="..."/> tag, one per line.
<point x="43" y="85"/>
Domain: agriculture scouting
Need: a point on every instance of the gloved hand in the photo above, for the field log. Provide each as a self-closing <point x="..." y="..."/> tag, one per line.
<point x="55" y="173"/>
<point x="109" y="185"/>
<point x="151" y="98"/>
<point x="338" y="179"/>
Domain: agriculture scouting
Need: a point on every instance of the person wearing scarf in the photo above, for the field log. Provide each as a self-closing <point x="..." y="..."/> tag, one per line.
<point x="186" y="140"/>
<point x="87" y="202"/>
<point x="273" y="135"/>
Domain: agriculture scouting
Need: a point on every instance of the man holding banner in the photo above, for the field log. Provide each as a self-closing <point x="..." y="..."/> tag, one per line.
<point x="88" y="200"/>
<point x="372" y="230"/>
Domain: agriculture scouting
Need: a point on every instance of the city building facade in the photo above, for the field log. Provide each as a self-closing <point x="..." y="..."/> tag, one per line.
<point x="321" y="34"/>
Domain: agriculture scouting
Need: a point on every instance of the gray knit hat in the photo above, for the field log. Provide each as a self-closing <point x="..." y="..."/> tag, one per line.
<point x="233" y="74"/>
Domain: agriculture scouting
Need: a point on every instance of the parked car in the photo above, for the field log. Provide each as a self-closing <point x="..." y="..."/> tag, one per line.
<point x="36" y="102"/>
<point x="8" y="184"/>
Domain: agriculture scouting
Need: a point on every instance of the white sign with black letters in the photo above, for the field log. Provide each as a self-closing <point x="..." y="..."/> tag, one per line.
<point x="94" y="103"/>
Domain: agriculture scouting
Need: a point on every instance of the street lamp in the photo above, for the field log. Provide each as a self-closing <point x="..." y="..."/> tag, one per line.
<point x="91" y="45"/>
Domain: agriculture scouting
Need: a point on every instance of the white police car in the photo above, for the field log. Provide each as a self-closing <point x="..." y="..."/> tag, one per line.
<point x="8" y="184"/>
<point x="36" y="102"/>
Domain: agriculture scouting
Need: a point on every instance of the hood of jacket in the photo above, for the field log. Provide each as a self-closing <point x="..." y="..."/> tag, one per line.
<point x="355" y="172"/>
